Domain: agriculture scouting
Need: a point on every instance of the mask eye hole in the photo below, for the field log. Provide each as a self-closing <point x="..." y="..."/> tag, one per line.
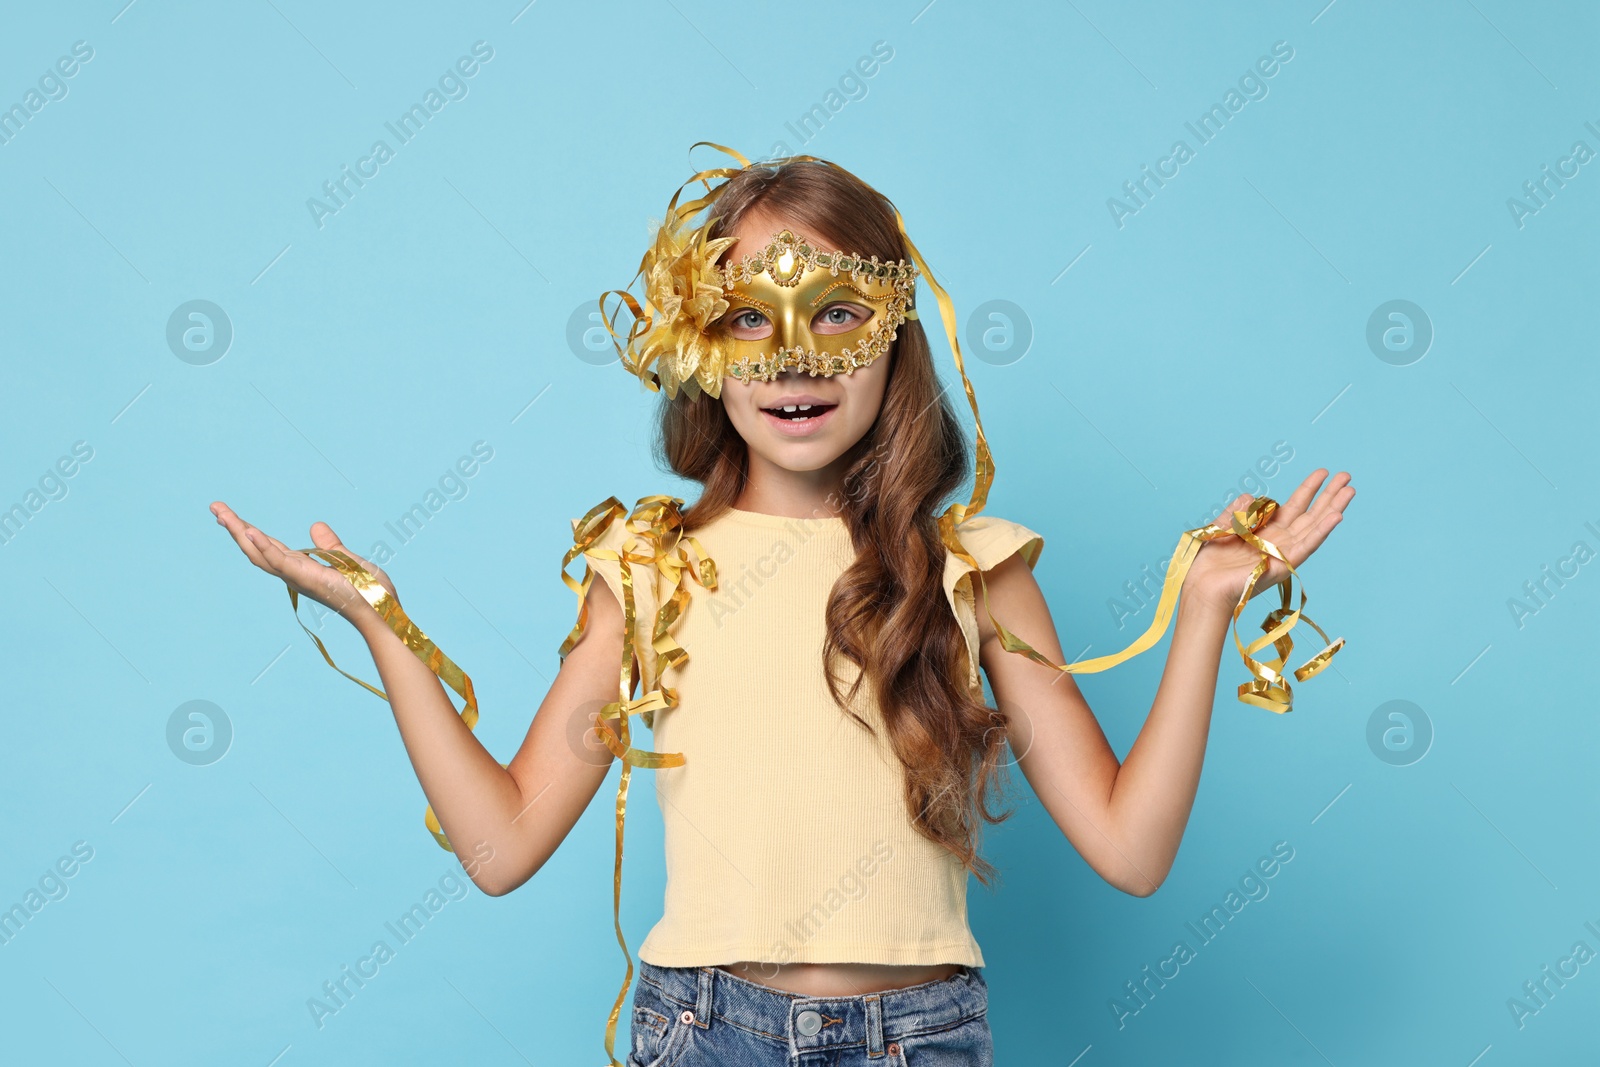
<point x="840" y="317"/>
<point x="748" y="324"/>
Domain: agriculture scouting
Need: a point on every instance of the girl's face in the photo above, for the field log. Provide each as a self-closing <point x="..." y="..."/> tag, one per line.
<point x="842" y="407"/>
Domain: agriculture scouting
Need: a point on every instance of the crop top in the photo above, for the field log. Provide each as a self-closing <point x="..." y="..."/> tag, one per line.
<point x="786" y="830"/>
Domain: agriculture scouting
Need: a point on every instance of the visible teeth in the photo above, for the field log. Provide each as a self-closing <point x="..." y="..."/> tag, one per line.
<point x="800" y="411"/>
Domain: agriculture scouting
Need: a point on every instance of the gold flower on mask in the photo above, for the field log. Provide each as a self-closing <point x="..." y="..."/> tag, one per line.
<point x="684" y="297"/>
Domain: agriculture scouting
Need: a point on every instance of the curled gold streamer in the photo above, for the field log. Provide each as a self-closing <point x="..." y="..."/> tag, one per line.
<point x="388" y="609"/>
<point x="654" y="539"/>
<point x="1268" y="688"/>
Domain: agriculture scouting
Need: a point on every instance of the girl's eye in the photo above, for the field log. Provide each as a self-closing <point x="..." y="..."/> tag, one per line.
<point x="840" y="318"/>
<point x="748" y="320"/>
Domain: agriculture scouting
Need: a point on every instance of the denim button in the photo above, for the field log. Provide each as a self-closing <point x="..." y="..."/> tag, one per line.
<point x="808" y="1023"/>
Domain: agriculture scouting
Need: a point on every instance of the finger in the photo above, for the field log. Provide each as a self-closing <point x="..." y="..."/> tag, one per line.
<point x="1298" y="501"/>
<point x="1337" y="502"/>
<point x="322" y="536"/>
<point x="226" y="517"/>
<point x="285" y="561"/>
<point x="1311" y="539"/>
<point x="1239" y="503"/>
<point x="270" y="555"/>
<point x="241" y="533"/>
<point x="1332" y="499"/>
<point x="278" y="546"/>
<point x="1329" y="492"/>
<point x="1340" y="493"/>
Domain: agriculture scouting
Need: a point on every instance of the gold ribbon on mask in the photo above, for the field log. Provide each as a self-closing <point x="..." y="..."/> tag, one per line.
<point x="645" y="315"/>
<point x="654" y="540"/>
<point x="389" y="610"/>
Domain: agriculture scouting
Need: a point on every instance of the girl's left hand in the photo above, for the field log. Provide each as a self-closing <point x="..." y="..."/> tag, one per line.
<point x="1222" y="566"/>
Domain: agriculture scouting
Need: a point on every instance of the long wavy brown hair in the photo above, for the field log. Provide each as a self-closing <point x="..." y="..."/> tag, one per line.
<point x="887" y="613"/>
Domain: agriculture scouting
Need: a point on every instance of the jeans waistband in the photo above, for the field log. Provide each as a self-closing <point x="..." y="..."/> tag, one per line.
<point x="810" y="1023"/>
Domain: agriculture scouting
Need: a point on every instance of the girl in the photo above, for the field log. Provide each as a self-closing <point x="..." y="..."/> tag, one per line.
<point x="827" y="755"/>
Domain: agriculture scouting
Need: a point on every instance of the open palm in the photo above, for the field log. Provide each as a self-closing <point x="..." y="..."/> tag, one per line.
<point x="301" y="572"/>
<point x="1298" y="527"/>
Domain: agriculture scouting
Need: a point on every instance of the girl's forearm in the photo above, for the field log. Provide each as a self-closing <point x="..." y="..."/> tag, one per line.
<point x="1154" y="791"/>
<point x="474" y="798"/>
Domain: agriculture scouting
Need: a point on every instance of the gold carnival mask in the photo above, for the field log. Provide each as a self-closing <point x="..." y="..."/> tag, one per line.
<point x="822" y="312"/>
<point x="683" y="333"/>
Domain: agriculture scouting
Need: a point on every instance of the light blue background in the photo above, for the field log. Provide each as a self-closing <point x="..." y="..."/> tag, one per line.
<point x="1227" y="315"/>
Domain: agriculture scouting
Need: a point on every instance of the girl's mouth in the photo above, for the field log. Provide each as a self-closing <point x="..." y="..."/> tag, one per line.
<point x="798" y="419"/>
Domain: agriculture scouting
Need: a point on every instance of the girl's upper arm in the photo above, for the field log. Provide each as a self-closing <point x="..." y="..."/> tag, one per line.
<point x="561" y="764"/>
<point x="1056" y="739"/>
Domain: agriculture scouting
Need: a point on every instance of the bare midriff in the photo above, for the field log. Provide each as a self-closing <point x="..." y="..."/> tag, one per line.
<point x="839" y="979"/>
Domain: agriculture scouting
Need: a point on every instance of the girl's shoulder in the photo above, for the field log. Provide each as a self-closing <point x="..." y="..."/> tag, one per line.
<point x="610" y="525"/>
<point x="989" y="540"/>
<point x="629" y="550"/>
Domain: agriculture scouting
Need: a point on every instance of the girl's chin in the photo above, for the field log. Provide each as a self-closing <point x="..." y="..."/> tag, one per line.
<point x="798" y="455"/>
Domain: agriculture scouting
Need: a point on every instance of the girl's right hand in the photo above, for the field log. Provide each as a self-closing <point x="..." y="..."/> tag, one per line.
<point x="306" y="575"/>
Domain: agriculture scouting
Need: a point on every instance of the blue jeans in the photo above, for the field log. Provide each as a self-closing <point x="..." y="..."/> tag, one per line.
<point x="703" y="1016"/>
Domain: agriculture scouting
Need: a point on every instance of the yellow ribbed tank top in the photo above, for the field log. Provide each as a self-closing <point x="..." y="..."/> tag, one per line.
<point x="786" y="830"/>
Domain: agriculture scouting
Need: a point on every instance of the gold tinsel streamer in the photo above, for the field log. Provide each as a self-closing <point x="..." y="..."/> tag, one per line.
<point x="1268" y="688"/>
<point x="388" y="609"/>
<point x="655" y="539"/>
